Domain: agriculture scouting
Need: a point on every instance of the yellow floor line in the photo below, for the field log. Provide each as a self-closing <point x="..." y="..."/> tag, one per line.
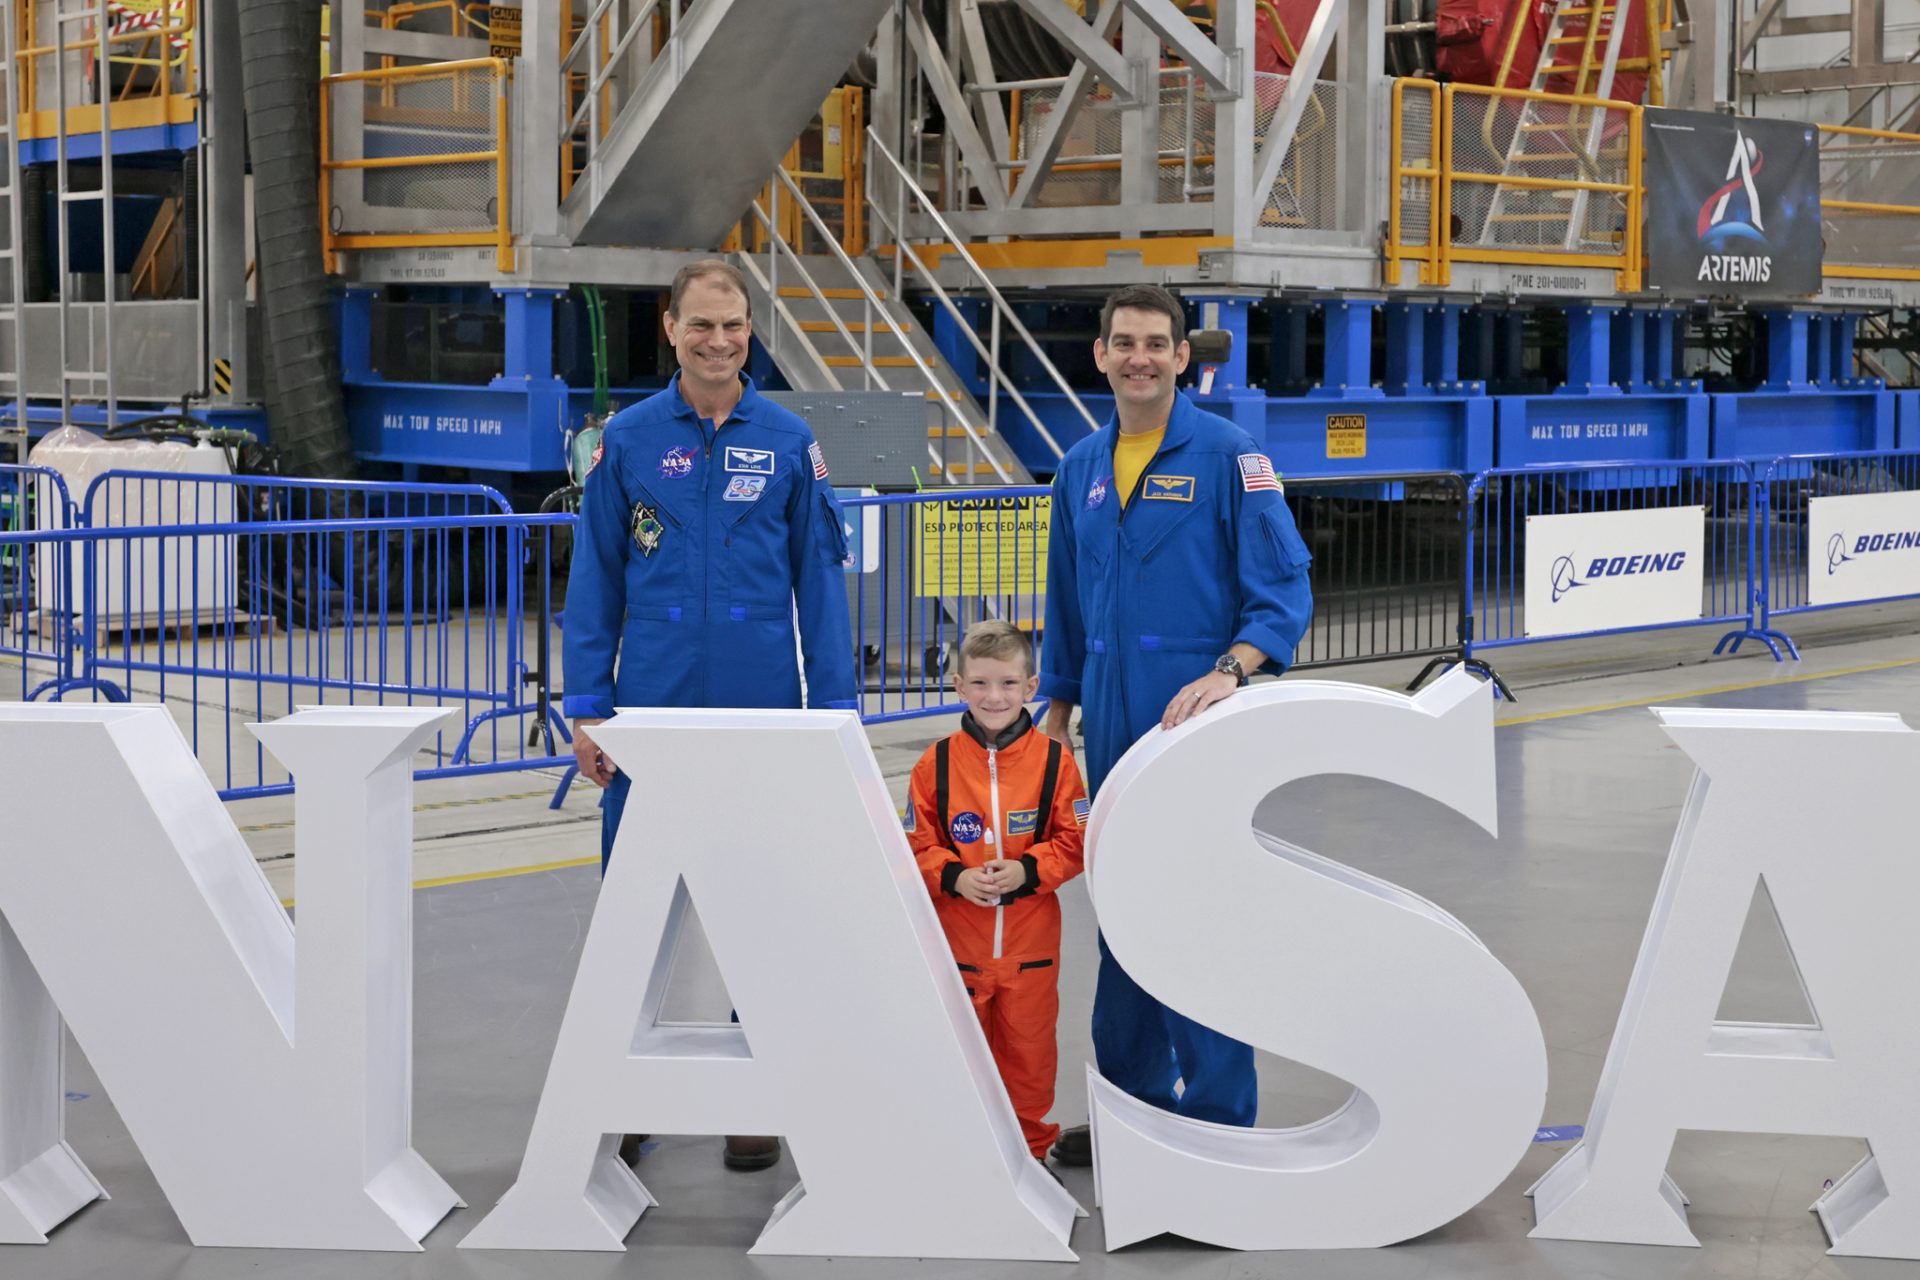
<point x="419" y="808"/>
<point x="1663" y="698"/>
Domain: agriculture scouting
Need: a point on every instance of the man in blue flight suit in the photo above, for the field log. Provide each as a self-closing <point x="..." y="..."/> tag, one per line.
<point x="1173" y="572"/>
<point x="706" y="524"/>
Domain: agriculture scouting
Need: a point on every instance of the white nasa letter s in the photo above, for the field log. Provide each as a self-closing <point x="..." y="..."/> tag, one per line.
<point x="1317" y="962"/>
<point x="1804" y="802"/>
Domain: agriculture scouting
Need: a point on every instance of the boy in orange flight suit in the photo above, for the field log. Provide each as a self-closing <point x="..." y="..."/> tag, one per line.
<point x="996" y="817"/>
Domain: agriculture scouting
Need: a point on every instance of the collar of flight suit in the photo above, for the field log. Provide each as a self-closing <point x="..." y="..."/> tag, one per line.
<point x="1179" y="428"/>
<point x="746" y="409"/>
<point x="1002" y="740"/>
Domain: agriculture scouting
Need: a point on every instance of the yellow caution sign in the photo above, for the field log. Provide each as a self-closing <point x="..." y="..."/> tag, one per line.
<point x="1346" y="435"/>
<point x="983" y="547"/>
<point x="503" y="31"/>
<point x="223" y="377"/>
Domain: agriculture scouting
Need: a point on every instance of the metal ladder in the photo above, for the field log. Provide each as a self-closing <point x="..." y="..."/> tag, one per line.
<point x="98" y="382"/>
<point x="13" y="310"/>
<point x="1572" y="135"/>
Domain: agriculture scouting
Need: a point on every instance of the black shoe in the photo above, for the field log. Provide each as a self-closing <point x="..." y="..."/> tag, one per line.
<point x="630" y="1148"/>
<point x="751" y="1153"/>
<point x="1074" y="1147"/>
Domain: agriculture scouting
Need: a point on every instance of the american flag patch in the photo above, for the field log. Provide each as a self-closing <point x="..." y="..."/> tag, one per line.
<point x="819" y="461"/>
<point x="1080" y="808"/>
<point x="1256" y="473"/>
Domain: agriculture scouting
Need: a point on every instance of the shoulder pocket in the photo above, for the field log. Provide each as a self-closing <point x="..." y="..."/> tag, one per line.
<point x="1284" y="541"/>
<point x="833" y="529"/>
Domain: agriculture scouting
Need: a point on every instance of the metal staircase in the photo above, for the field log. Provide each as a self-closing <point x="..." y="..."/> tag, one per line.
<point x="836" y="323"/>
<point x="1557" y="139"/>
<point x="13" y="302"/>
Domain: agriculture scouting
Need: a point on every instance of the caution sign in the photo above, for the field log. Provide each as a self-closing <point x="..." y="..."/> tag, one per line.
<point x="983" y="547"/>
<point x="223" y="377"/>
<point x="503" y="31"/>
<point x="1346" y="435"/>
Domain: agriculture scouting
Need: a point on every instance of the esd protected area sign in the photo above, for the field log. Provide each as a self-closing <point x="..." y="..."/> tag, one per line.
<point x="983" y="547"/>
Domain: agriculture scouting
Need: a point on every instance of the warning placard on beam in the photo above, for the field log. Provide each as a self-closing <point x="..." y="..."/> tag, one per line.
<point x="503" y="31"/>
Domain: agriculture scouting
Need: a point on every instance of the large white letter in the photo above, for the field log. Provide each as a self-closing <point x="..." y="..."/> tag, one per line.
<point x="42" y="1181"/>
<point x="1316" y="961"/>
<point x="1809" y="802"/>
<point x="855" y="1040"/>
<point x="164" y="947"/>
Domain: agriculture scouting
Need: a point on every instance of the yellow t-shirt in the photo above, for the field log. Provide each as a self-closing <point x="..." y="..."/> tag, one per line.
<point x="1131" y="454"/>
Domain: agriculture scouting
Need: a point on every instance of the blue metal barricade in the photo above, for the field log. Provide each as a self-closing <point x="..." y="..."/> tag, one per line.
<point x="231" y="621"/>
<point x="1830" y="524"/>
<point x="36" y="587"/>
<point x="1504" y="500"/>
<point x="926" y="566"/>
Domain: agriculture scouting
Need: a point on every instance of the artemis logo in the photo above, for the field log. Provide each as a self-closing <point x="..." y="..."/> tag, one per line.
<point x="1565" y="579"/>
<point x="1713" y="223"/>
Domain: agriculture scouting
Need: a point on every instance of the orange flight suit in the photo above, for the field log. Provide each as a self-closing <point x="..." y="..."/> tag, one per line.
<point x="1017" y="797"/>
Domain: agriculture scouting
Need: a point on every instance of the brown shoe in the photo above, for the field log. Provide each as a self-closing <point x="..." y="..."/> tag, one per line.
<point x="751" y="1153"/>
<point x="1074" y="1147"/>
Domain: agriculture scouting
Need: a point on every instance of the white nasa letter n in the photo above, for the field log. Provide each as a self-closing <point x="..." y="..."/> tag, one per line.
<point x="269" y="1087"/>
<point x="1802" y="801"/>
<point x="856" y="1039"/>
<point x="1313" y="960"/>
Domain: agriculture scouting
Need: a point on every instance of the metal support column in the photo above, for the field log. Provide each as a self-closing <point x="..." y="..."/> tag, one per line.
<point x="1443" y="351"/>
<point x="1629" y="367"/>
<point x="1817" y="349"/>
<point x="1786" y="350"/>
<point x="1407" y="348"/>
<point x="356" y="334"/>
<point x="1590" y="351"/>
<point x="225" y="234"/>
<point x="1841" y="333"/>
<point x="1348" y="367"/>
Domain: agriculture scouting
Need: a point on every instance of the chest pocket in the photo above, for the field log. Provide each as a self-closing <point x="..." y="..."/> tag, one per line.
<point x="1158" y="536"/>
<point x="753" y="547"/>
<point x="658" y="580"/>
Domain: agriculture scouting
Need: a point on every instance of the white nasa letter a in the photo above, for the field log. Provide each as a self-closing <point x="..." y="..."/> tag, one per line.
<point x="1318" y="962"/>
<point x="269" y="1087"/>
<point x="856" y="1039"/>
<point x="1807" y="802"/>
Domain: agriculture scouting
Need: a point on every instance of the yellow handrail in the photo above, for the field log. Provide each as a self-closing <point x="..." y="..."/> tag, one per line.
<point x="1905" y="146"/>
<point x="499" y="235"/>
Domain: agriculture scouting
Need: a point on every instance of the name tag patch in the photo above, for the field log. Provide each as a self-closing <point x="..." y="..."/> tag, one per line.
<point x="1168" y="488"/>
<point x="751" y="461"/>
<point x="1022" y="822"/>
<point x="745" y="489"/>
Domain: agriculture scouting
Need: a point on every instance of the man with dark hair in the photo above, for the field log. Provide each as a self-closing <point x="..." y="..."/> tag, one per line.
<point x="1174" y="571"/>
<point x="707" y="524"/>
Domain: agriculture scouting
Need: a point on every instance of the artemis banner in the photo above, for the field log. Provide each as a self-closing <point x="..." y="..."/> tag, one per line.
<point x="1600" y="570"/>
<point x="1733" y="206"/>
<point x="1864" y="547"/>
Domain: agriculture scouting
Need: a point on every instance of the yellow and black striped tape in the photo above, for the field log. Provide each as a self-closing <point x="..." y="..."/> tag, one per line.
<point x="223" y="377"/>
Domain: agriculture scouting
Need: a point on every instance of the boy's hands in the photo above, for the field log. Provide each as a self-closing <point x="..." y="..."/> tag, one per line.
<point x="976" y="886"/>
<point x="1005" y="876"/>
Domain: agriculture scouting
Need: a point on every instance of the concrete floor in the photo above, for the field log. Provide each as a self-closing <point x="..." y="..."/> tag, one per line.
<point x="1590" y="791"/>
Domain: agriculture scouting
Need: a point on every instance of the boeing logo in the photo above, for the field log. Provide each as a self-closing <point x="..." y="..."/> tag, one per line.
<point x="1563" y="579"/>
<point x="1565" y="575"/>
<point x="1868" y="544"/>
<point x="1836" y="553"/>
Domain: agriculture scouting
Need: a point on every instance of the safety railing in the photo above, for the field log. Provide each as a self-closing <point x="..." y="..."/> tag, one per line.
<point x="600" y="54"/>
<point x="926" y="567"/>
<point x="1837" y="529"/>
<point x="35" y="639"/>
<point x="428" y="163"/>
<point x="258" y="618"/>
<point x="1585" y="549"/>
<point x="1523" y="178"/>
<point x="1869" y="203"/>
<point x="151" y="78"/>
<point x="1414" y="228"/>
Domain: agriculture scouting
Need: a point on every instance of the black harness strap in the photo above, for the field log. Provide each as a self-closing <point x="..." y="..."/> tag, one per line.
<point x="940" y="788"/>
<point x="1046" y="791"/>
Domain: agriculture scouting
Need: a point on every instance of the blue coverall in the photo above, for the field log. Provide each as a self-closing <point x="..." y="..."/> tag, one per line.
<point x="695" y="549"/>
<point x="1140" y="603"/>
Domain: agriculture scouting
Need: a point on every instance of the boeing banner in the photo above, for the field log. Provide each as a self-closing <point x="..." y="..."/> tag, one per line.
<point x="1863" y="547"/>
<point x="1733" y="206"/>
<point x="1603" y="570"/>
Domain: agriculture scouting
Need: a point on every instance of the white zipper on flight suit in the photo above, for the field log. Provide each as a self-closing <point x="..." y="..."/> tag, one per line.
<point x="993" y="838"/>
